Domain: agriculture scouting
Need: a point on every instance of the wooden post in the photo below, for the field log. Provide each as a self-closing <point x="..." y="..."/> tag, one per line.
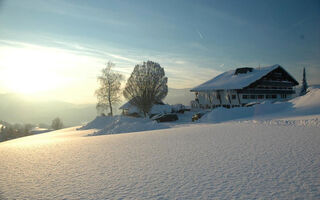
<point x="228" y="91"/>
<point x="238" y="98"/>
<point x="218" y="94"/>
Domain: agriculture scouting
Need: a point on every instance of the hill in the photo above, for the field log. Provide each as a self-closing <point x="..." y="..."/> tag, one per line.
<point x="203" y="161"/>
<point x="179" y="96"/>
<point x="17" y="109"/>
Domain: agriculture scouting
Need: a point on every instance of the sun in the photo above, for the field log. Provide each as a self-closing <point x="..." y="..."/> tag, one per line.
<point x="29" y="70"/>
<point x="29" y="81"/>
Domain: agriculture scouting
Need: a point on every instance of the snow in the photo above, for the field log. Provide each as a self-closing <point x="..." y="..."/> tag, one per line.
<point x="38" y="130"/>
<point x="256" y="156"/>
<point x="121" y="124"/>
<point x="160" y="109"/>
<point x="131" y="109"/>
<point x="156" y="109"/>
<point x="203" y="161"/>
<point x="228" y="80"/>
<point x="308" y="104"/>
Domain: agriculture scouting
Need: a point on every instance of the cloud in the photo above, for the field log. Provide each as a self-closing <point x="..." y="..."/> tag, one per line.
<point x="75" y="10"/>
<point x="123" y="58"/>
<point x="79" y="64"/>
<point x="200" y="35"/>
<point x="99" y="52"/>
<point x="180" y="62"/>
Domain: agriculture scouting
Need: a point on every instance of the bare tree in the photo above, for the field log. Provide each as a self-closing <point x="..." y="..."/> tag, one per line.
<point x="109" y="92"/>
<point x="146" y="86"/>
<point x="57" y="123"/>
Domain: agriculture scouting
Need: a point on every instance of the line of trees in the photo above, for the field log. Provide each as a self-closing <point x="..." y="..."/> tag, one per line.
<point x="11" y="131"/>
<point x="57" y="124"/>
<point x="146" y="86"/>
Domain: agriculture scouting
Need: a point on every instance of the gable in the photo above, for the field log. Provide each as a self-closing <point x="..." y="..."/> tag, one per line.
<point x="231" y="81"/>
<point x="279" y="76"/>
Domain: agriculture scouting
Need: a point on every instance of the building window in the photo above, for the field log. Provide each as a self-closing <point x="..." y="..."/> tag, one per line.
<point x="283" y="96"/>
<point x="260" y="96"/>
<point x="253" y="96"/>
<point x="245" y="96"/>
<point x="274" y="96"/>
<point x="233" y="96"/>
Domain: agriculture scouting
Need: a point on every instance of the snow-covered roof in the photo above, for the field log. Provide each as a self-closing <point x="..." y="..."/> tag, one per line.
<point x="156" y="108"/>
<point x="229" y="80"/>
<point x="131" y="108"/>
<point x="126" y="106"/>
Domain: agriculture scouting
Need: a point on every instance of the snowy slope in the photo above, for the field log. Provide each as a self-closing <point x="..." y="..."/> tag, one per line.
<point x="308" y="104"/>
<point x="270" y="152"/>
<point x="204" y="161"/>
<point x="301" y="106"/>
<point x="121" y="124"/>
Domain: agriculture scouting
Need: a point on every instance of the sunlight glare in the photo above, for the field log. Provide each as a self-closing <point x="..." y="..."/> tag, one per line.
<point x="31" y="70"/>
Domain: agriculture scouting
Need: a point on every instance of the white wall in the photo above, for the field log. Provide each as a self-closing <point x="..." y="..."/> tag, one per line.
<point x="204" y="98"/>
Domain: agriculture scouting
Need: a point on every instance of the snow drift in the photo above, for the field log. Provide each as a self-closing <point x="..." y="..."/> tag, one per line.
<point x="121" y="124"/>
<point x="223" y="114"/>
<point x="308" y="104"/>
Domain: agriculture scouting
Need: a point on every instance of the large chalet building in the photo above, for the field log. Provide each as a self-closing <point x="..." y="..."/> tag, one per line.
<point x="243" y="86"/>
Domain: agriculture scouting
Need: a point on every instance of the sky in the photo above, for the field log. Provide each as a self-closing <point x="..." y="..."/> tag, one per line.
<point x="55" y="49"/>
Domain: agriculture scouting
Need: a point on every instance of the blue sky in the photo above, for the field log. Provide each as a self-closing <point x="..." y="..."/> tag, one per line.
<point x="193" y="40"/>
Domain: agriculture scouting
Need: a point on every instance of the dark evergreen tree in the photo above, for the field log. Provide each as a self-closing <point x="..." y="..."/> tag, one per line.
<point x="304" y="86"/>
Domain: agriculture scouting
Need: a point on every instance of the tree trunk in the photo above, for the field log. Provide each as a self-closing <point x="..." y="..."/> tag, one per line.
<point x="110" y="106"/>
<point x="145" y="114"/>
<point x="109" y="99"/>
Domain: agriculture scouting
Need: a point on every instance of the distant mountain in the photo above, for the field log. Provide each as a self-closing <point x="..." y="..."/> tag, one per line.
<point x="176" y="96"/>
<point x="15" y="108"/>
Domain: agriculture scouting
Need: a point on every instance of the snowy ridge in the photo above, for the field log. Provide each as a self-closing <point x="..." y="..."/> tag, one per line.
<point x="267" y="113"/>
<point x="221" y="114"/>
<point x="307" y="105"/>
<point x="314" y="121"/>
<point x="310" y="101"/>
<point x="121" y="124"/>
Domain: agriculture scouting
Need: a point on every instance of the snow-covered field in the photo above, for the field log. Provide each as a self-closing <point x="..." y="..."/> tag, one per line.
<point x="273" y="156"/>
